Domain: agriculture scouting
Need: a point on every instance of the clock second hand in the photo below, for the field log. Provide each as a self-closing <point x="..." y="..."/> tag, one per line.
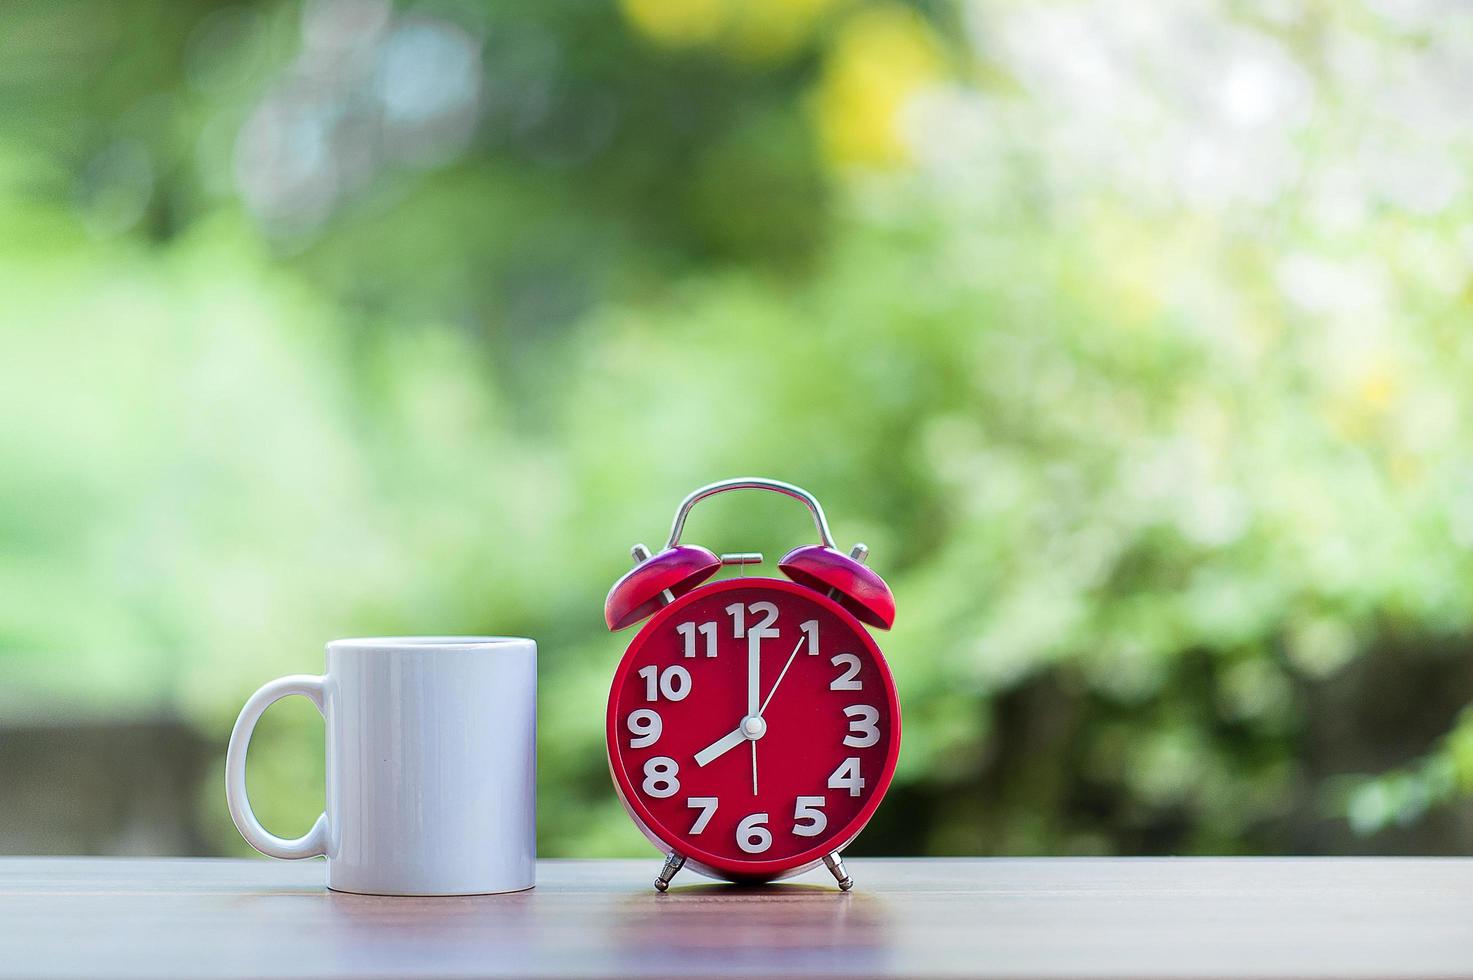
<point x="763" y="710"/>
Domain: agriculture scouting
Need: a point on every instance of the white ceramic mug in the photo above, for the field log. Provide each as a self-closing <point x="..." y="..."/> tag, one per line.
<point x="431" y="761"/>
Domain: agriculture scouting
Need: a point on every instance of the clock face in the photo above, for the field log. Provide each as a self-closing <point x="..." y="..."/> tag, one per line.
<point x="753" y="726"/>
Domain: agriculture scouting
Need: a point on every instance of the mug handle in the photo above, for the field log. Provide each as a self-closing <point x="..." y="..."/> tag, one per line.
<point x="314" y="842"/>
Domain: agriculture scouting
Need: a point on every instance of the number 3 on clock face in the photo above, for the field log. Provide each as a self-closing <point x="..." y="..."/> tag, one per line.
<point x="753" y="726"/>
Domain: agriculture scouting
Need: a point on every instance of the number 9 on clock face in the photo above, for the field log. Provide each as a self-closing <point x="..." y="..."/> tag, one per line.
<point x="753" y="726"/>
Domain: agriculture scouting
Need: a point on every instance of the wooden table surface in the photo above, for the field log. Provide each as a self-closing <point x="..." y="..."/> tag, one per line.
<point x="998" y="917"/>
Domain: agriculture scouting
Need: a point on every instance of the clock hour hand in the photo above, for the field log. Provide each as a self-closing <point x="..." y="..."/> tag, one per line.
<point x="721" y="746"/>
<point x="751" y="729"/>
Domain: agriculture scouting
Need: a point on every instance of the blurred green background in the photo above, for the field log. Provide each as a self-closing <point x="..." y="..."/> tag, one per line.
<point x="1133" y="338"/>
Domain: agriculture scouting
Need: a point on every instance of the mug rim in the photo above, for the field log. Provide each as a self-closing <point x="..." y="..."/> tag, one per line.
<point x="399" y="644"/>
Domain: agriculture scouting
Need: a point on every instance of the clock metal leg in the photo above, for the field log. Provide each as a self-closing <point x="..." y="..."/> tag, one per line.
<point x="674" y="861"/>
<point x="835" y="864"/>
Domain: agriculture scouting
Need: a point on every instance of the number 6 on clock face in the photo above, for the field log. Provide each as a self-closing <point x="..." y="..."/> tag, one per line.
<point x="775" y="720"/>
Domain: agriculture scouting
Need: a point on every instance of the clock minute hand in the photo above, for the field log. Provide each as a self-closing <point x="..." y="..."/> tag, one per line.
<point x="754" y="672"/>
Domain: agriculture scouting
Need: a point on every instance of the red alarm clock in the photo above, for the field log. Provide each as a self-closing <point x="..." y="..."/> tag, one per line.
<point x="753" y="724"/>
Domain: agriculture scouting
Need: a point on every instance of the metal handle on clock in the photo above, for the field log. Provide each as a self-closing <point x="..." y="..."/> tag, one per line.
<point x="751" y="483"/>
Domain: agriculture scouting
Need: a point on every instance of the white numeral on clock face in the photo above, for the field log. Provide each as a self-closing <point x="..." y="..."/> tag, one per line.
<point x="752" y="834"/>
<point x="809" y="808"/>
<point x="738" y="614"/>
<point x="845" y="777"/>
<point x="845" y="681"/>
<point x="660" y="777"/>
<point x="864" y="729"/>
<point x="707" y="806"/>
<point x="645" y="725"/>
<point x="674" y="683"/>
<point x="688" y="632"/>
<point x="810" y="632"/>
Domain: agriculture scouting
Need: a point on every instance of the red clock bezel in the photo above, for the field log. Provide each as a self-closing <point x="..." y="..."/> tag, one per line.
<point x="696" y="856"/>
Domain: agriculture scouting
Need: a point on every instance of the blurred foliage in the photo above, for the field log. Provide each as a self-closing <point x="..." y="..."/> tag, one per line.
<point x="1134" y="340"/>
